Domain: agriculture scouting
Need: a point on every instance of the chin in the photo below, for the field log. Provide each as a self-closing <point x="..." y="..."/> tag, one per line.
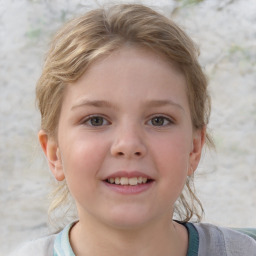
<point x="129" y="219"/>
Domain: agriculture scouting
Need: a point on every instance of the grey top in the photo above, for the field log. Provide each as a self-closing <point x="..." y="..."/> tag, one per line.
<point x="208" y="239"/>
<point x="219" y="241"/>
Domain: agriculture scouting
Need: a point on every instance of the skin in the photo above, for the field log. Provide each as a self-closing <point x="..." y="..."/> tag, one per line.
<point x="126" y="91"/>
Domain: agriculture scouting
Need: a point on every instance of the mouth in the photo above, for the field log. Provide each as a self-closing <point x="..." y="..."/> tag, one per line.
<point x="125" y="181"/>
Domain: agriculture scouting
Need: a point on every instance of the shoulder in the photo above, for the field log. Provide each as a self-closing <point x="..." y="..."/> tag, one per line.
<point x="39" y="247"/>
<point x="214" y="240"/>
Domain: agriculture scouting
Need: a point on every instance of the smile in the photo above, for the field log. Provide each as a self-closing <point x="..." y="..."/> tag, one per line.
<point x="129" y="183"/>
<point x="133" y="181"/>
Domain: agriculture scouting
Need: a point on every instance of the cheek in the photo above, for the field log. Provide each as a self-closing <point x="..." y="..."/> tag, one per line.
<point x="82" y="159"/>
<point x="171" y="157"/>
<point x="173" y="150"/>
<point x="82" y="152"/>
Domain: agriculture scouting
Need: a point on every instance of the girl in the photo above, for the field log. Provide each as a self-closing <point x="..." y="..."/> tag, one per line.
<point x="124" y="109"/>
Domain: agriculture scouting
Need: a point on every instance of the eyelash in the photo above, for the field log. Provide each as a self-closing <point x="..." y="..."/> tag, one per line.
<point x="89" y="119"/>
<point x="165" y="121"/>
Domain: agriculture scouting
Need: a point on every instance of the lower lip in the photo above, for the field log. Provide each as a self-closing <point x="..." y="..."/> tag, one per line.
<point x="128" y="189"/>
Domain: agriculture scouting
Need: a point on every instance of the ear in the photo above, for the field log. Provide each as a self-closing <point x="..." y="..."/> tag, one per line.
<point x="52" y="153"/>
<point x="196" y="151"/>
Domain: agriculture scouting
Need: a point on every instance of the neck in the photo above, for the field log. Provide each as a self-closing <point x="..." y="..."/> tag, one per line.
<point x="159" y="238"/>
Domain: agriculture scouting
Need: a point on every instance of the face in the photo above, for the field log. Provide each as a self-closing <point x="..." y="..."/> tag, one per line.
<point x="125" y="139"/>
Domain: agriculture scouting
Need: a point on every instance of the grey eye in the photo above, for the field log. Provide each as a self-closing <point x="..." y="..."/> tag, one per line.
<point x="157" y="121"/>
<point x="96" y="121"/>
<point x="160" y="121"/>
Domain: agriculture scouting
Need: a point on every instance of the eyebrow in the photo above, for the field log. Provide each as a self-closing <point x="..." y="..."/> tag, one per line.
<point x="93" y="103"/>
<point x="107" y="104"/>
<point x="162" y="103"/>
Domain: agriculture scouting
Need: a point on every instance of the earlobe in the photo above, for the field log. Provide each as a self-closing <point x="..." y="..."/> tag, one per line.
<point x="52" y="153"/>
<point x="197" y="146"/>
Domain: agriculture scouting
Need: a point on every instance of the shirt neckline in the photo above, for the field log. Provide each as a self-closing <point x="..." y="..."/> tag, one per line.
<point x="62" y="245"/>
<point x="193" y="238"/>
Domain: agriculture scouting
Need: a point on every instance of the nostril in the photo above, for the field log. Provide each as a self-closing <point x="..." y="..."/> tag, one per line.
<point x="122" y="154"/>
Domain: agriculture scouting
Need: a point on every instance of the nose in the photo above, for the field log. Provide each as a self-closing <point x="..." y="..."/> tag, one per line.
<point x="128" y="142"/>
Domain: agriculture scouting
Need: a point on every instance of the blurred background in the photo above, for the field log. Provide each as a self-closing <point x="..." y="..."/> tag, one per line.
<point x="225" y="31"/>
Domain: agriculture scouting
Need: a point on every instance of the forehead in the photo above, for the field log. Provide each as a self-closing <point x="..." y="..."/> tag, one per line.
<point x="135" y="53"/>
<point x="130" y="71"/>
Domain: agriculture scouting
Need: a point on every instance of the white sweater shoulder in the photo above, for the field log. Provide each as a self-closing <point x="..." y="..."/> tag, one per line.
<point x="39" y="247"/>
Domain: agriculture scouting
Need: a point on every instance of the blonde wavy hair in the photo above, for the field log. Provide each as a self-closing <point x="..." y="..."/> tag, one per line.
<point x="99" y="32"/>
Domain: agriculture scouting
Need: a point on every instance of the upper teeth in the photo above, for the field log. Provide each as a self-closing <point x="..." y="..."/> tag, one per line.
<point x="127" y="181"/>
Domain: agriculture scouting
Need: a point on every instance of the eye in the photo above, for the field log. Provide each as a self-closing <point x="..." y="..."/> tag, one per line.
<point x="95" y="121"/>
<point x="160" y="121"/>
